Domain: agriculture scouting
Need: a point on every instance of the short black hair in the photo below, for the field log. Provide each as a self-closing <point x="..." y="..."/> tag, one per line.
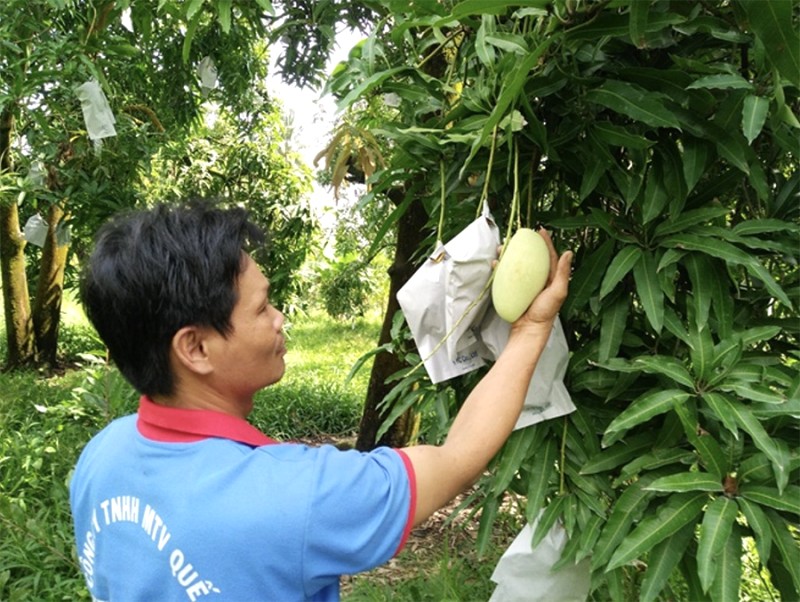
<point x="154" y="271"/>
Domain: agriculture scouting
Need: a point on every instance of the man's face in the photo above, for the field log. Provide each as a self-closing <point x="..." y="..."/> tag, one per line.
<point x="250" y="357"/>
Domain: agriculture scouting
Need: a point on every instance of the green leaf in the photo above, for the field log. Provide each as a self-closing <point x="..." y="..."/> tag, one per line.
<point x="655" y="194"/>
<point x="587" y="277"/>
<point x="786" y="546"/>
<point x="368" y="85"/>
<point x="695" y="160"/>
<point x="542" y="467"/>
<point x="763" y="226"/>
<point x="715" y="530"/>
<point x="612" y="328"/>
<point x="661" y="562"/>
<point x="619" y="267"/>
<point x="649" y="290"/>
<point x="686" y="481"/>
<point x="722" y="81"/>
<point x="754" y="114"/>
<point x="192" y="8"/>
<point x="618" y="454"/>
<point x="634" y="102"/>
<point x="666" y="366"/>
<point x="750" y="424"/>
<point x="512" y="87"/>
<point x="488" y="515"/>
<point x="625" y="511"/>
<point x="687" y="219"/>
<point x="640" y="410"/>
<point x="759" y="525"/>
<point x="772" y="22"/>
<point x="511" y="456"/>
<point x="467" y="8"/>
<point x="548" y="518"/>
<point x="679" y="510"/>
<point x="788" y="501"/>
<point x="731" y="146"/>
<point x="508" y="42"/>
<point x="617" y="135"/>
<point x="701" y="350"/>
<point x="224" y="15"/>
<point x="638" y="23"/>
<point x="754" y="392"/>
<point x="729" y="569"/>
<point x="702" y="275"/>
<point x="708" y="245"/>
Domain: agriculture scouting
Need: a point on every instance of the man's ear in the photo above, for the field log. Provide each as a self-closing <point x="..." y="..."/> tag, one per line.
<point x="189" y="350"/>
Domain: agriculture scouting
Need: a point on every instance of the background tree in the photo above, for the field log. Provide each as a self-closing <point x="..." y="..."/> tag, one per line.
<point x="659" y="140"/>
<point x="144" y="55"/>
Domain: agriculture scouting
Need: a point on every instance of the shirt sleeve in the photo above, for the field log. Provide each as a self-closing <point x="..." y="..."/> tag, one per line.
<point x="360" y="513"/>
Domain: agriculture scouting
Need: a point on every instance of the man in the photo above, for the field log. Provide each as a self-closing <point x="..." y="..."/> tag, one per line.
<point x="185" y="499"/>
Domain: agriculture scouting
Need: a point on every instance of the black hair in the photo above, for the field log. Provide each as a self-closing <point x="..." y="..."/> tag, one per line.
<point x="154" y="271"/>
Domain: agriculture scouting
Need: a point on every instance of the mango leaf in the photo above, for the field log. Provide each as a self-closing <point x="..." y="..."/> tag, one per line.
<point x="756" y="468"/>
<point x="753" y="392"/>
<point x="619" y="267"/>
<point x="368" y="85"/>
<point x="542" y="467"/>
<point x="666" y="366"/>
<point x="513" y="452"/>
<point x="687" y="219"/>
<point x="612" y="327"/>
<point x="679" y="510"/>
<point x="589" y="534"/>
<point x="763" y="226"/>
<point x="488" y="515"/>
<point x="715" y="530"/>
<point x="587" y="277"/>
<point x="548" y="518"/>
<point x="467" y="8"/>
<point x="224" y="15"/>
<point x="508" y="42"/>
<point x="756" y="269"/>
<point x="661" y="562"/>
<point x="634" y="102"/>
<point x="772" y="22"/>
<point x="786" y="546"/>
<point x="512" y="87"/>
<point x="618" y="454"/>
<point x="617" y="135"/>
<point x="686" y="481"/>
<point x="729" y="569"/>
<point x="758" y="523"/>
<point x="701" y="350"/>
<point x="628" y="506"/>
<point x="722" y="81"/>
<point x="754" y="114"/>
<point x="702" y="275"/>
<point x="649" y="290"/>
<point x="655" y="193"/>
<point x="640" y="410"/>
<point x="656" y="458"/>
<point x="750" y="424"/>
<point x="787" y="501"/>
<point x="695" y="160"/>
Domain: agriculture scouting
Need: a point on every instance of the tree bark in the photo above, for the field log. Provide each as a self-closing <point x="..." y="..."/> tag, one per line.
<point x="20" y="340"/>
<point x="49" y="291"/>
<point x="410" y="234"/>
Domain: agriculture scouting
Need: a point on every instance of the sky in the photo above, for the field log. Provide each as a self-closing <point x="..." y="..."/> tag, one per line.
<point x="311" y="113"/>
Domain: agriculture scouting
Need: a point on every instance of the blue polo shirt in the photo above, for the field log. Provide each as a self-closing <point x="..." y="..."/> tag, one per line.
<point x="174" y="504"/>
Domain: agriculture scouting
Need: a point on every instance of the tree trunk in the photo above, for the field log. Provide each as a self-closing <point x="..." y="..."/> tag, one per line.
<point x="16" y="302"/>
<point x="49" y="291"/>
<point x="410" y="234"/>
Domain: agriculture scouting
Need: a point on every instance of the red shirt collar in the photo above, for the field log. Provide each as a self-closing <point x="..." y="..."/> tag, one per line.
<point x="178" y="425"/>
